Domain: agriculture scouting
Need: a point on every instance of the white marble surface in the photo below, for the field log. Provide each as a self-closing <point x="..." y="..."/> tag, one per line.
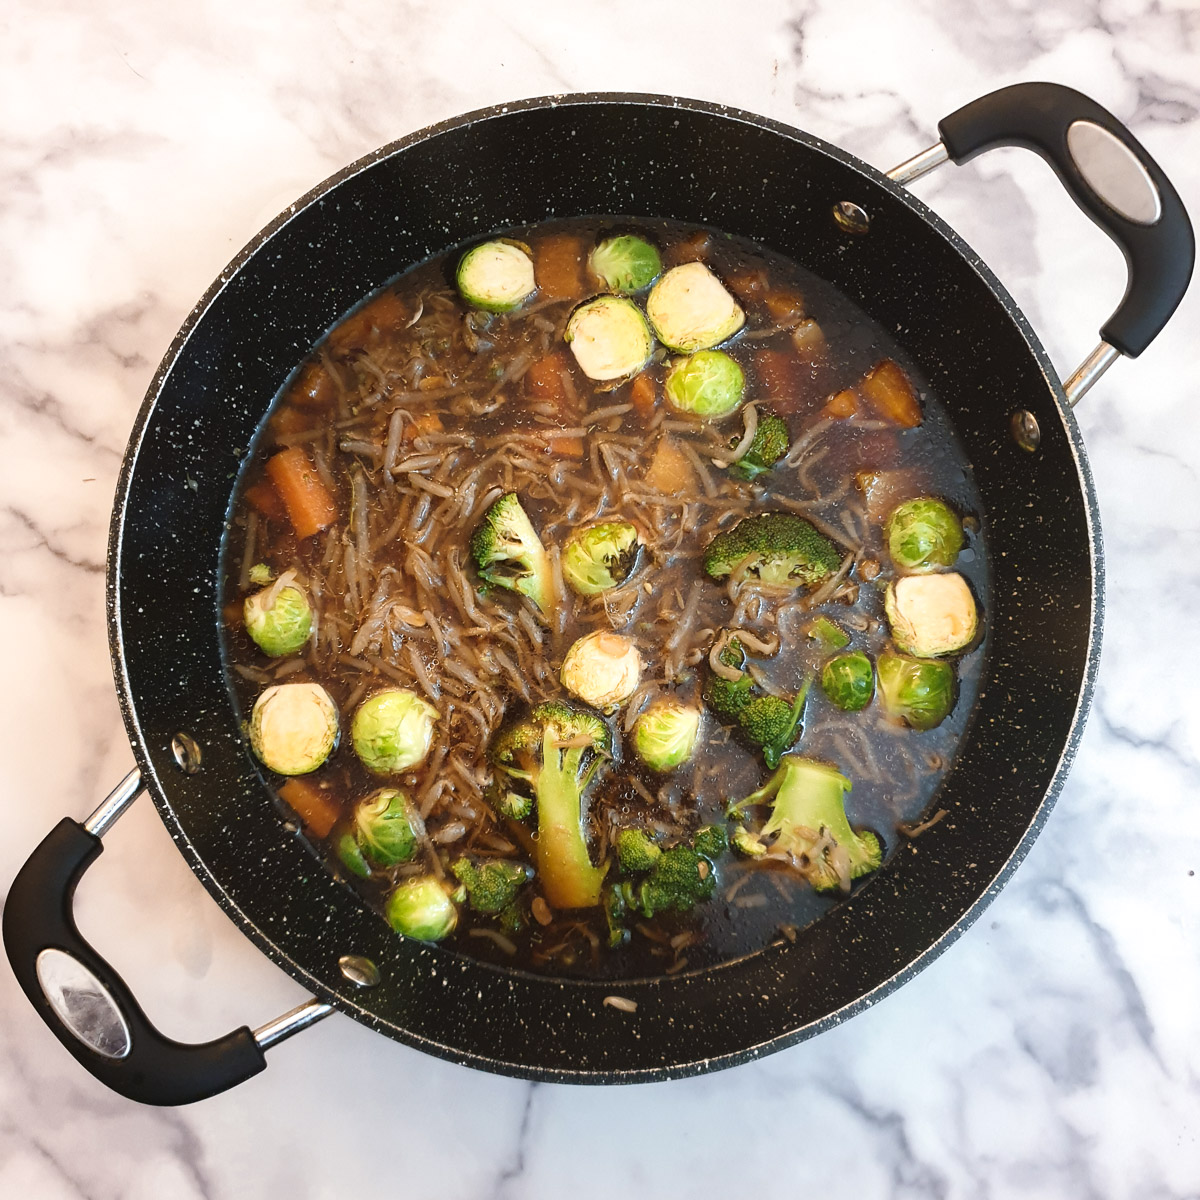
<point x="1054" y="1051"/>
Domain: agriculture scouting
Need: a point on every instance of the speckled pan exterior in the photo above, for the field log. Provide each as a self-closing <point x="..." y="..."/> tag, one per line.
<point x="640" y="156"/>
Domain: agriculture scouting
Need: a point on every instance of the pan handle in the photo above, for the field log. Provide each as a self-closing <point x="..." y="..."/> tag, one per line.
<point x="1110" y="175"/>
<point x="88" y="1006"/>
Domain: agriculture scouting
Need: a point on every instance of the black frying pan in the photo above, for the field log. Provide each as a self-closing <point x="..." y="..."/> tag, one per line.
<point x="614" y="154"/>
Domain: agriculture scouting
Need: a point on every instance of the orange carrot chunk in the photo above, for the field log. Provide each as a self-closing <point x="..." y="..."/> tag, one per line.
<point x="644" y="396"/>
<point x="841" y="404"/>
<point x="314" y="388"/>
<point x="544" y="384"/>
<point x="312" y="804"/>
<point x="309" y="505"/>
<point x="565" y="447"/>
<point x="886" y="388"/>
<point x="266" y="499"/>
<point x="421" y="424"/>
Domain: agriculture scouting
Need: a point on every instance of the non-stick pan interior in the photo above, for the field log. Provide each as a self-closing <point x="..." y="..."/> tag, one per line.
<point x="637" y="156"/>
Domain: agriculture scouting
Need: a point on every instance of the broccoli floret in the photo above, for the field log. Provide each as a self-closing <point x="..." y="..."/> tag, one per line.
<point x="618" y="903"/>
<point x="771" y="723"/>
<point x="514" y="806"/>
<point x="509" y="553"/>
<point x="555" y="754"/>
<point x="747" y="843"/>
<point x="680" y="879"/>
<point x="776" y="547"/>
<point x="769" y="444"/>
<point x="728" y="697"/>
<point x="711" y="840"/>
<point x="491" y="885"/>
<point x="808" y="820"/>
<point x="637" y="852"/>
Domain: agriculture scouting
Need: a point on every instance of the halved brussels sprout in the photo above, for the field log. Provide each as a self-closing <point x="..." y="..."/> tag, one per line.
<point x="421" y="908"/>
<point x="600" y="557"/>
<point x="278" y="619"/>
<point x="609" y="338"/>
<point x="294" y="727"/>
<point x="923" y="534"/>
<point x="385" y="827"/>
<point x="849" y="681"/>
<point x="931" y="615"/>
<point x="352" y="857"/>
<point x="706" y="384"/>
<point x="602" y="669"/>
<point x="392" y="730"/>
<point x="665" y="734"/>
<point x="690" y="309"/>
<point x="919" y="691"/>
<point x="625" y="263"/>
<point x="496" y="276"/>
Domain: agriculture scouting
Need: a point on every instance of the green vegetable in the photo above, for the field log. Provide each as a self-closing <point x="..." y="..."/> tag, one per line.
<point x="491" y="885"/>
<point x="385" y="827"/>
<point x="554" y="755"/>
<point x="931" y="615"/>
<point x="808" y="821"/>
<point x="680" y="879"/>
<point x="420" y="908"/>
<point x="508" y="553"/>
<point x="776" y="548"/>
<point x="710" y="840"/>
<point x="771" y="723"/>
<point x="828" y="635"/>
<point x="294" y="727"/>
<point x="849" y="681"/>
<point x="393" y="730"/>
<point x="923" y="534"/>
<point x="279" y="620"/>
<point x="514" y="806"/>
<point x="617" y="901"/>
<point x="600" y="557"/>
<point x="665" y="734"/>
<point x="917" y="691"/>
<point x="602" y="668"/>
<point x="637" y="852"/>
<point x="496" y="276"/>
<point x="747" y="843"/>
<point x="260" y="573"/>
<point x="707" y="384"/>
<point x="625" y="263"/>
<point x="770" y="443"/>
<point x="609" y="338"/>
<point x="690" y="309"/>
<point x="352" y="857"/>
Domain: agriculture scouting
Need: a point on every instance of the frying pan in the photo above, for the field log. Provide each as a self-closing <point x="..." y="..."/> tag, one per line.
<point x="633" y="155"/>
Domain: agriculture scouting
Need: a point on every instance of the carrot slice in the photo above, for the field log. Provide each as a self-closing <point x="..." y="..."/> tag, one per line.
<point x="544" y="382"/>
<point x="289" y="419"/>
<point x="841" y="404"/>
<point x="421" y="424"/>
<point x="314" y="387"/>
<point x="266" y="499"/>
<point x="312" y="804"/>
<point x="644" y="395"/>
<point x="558" y="266"/>
<point x="887" y="389"/>
<point x="565" y="447"/>
<point x="309" y="505"/>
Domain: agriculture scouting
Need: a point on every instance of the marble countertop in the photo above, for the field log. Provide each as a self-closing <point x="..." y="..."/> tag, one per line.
<point x="1053" y="1051"/>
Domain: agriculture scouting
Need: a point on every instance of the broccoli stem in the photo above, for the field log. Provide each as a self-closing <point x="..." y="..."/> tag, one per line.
<point x="564" y="866"/>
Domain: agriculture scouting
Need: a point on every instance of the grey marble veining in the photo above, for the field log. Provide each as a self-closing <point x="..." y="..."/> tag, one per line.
<point x="1053" y="1051"/>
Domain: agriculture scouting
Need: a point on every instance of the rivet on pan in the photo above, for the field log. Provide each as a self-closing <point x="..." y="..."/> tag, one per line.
<point x="359" y="970"/>
<point x="187" y="753"/>
<point x="1025" y="430"/>
<point x="850" y="217"/>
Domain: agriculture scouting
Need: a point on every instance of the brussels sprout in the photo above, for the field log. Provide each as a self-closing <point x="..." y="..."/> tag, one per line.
<point x="421" y="908"/>
<point x="352" y="857"/>
<point x="602" y="669"/>
<point x="691" y="310"/>
<point x="915" y="690"/>
<point x="385" y="827"/>
<point x="625" y="263"/>
<point x="600" y="557"/>
<point x="294" y="727"/>
<point x="931" y="615"/>
<point x="609" y="338"/>
<point x="849" y="681"/>
<point x="496" y="276"/>
<point x="708" y="384"/>
<point x="392" y="730"/>
<point x="665" y="734"/>
<point x="278" y="619"/>
<point x="923" y="534"/>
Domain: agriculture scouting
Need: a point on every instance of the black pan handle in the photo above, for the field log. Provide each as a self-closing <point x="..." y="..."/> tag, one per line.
<point x="1156" y="239"/>
<point x="93" y="1012"/>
